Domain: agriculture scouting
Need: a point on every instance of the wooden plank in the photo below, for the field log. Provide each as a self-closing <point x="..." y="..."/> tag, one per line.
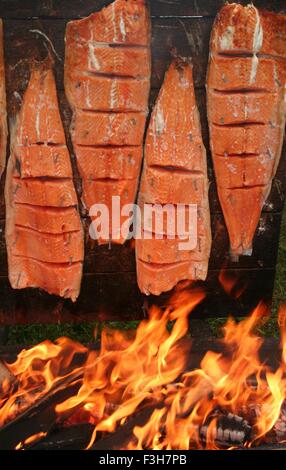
<point x="251" y="286"/>
<point x="103" y="296"/>
<point x="115" y="296"/>
<point x="113" y="271"/>
<point x="116" y="258"/>
<point x="267" y="235"/>
<point x="190" y="37"/>
<point x="204" y="8"/>
<point x="22" y="47"/>
<point x="80" y="8"/>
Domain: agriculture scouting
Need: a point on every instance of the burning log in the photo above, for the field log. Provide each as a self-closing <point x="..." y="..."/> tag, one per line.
<point x="228" y="429"/>
<point x="280" y="425"/>
<point x="74" y="437"/>
<point x="41" y="417"/>
<point x="223" y="429"/>
<point x="120" y="438"/>
<point x="269" y="447"/>
<point x="278" y="432"/>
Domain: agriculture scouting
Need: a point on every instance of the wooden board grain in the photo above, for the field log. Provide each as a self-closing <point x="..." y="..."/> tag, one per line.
<point x="80" y="8"/>
<point x="115" y="296"/>
<point x="116" y="258"/>
<point x="109" y="289"/>
<point x="189" y="36"/>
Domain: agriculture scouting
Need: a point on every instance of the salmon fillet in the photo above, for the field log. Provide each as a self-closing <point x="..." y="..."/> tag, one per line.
<point x="174" y="173"/>
<point x="103" y="191"/>
<point x="63" y="247"/>
<point x="169" y="275"/>
<point x="3" y="113"/>
<point x="49" y="192"/>
<point x="101" y="93"/>
<point x="232" y="73"/>
<point x="167" y="251"/>
<point x="117" y="129"/>
<point x="40" y="118"/>
<point x="42" y="160"/>
<point x="121" y="23"/>
<point x="44" y="234"/>
<point x="127" y="61"/>
<point x="107" y="83"/>
<point x="59" y="279"/>
<point x="48" y="219"/>
<point x="169" y="217"/>
<point x="108" y="162"/>
<point x="246" y="113"/>
<point x="164" y="185"/>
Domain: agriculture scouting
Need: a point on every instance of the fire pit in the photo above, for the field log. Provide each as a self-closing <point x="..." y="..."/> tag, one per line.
<point x="150" y="391"/>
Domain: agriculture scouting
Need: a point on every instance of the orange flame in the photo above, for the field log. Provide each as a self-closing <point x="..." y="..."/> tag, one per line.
<point x="30" y="440"/>
<point x="37" y="371"/>
<point x="282" y="325"/>
<point x="148" y="369"/>
<point x="231" y="283"/>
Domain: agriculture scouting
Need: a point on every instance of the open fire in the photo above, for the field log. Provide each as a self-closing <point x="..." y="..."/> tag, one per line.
<point x="140" y="386"/>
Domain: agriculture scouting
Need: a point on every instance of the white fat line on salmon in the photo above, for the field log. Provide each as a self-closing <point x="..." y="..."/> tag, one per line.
<point x="37" y="123"/>
<point x="159" y="121"/>
<point x="226" y="40"/>
<point x="122" y="28"/>
<point x="114" y="22"/>
<point x="257" y="44"/>
<point x="113" y="94"/>
<point x="14" y="131"/>
<point x="90" y="37"/>
<point x="93" y="61"/>
<point x="275" y="74"/>
<point x="87" y="97"/>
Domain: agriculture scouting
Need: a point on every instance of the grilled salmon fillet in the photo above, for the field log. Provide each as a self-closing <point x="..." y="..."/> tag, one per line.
<point x="107" y="82"/>
<point x="44" y="234"/>
<point x="175" y="172"/>
<point x="3" y="113"/>
<point x="246" y="113"/>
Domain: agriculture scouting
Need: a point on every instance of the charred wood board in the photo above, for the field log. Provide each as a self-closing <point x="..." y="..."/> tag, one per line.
<point x="113" y="296"/>
<point x="40" y="419"/>
<point x="105" y="259"/>
<point x="79" y="8"/>
<point x="41" y="416"/>
<point x="74" y="437"/>
<point x="78" y="436"/>
<point x="181" y="24"/>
